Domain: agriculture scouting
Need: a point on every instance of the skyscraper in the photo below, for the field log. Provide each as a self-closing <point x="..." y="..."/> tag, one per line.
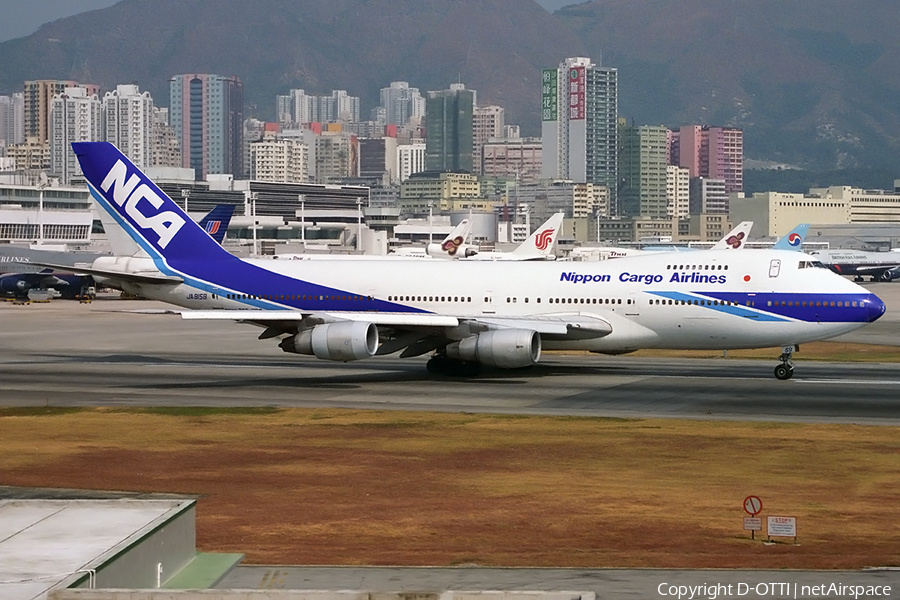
<point x="488" y="123"/>
<point x="714" y="152"/>
<point x="642" y="171"/>
<point x="207" y="113"/>
<point x="12" y="119"/>
<point x="128" y="123"/>
<point x="75" y="116"/>
<point x="448" y="129"/>
<point x="401" y="103"/>
<point x="579" y="114"/>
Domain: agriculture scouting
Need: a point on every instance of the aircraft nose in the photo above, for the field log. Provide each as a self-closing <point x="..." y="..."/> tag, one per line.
<point x="875" y="308"/>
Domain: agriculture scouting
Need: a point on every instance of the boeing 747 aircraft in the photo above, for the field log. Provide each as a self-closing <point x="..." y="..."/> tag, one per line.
<point x="880" y="266"/>
<point x="468" y="313"/>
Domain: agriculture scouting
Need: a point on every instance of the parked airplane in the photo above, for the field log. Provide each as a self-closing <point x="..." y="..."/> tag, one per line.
<point x="452" y="246"/>
<point x="469" y="313"/>
<point x="538" y="246"/>
<point x="26" y="277"/>
<point x="733" y="240"/>
<point x="880" y="266"/>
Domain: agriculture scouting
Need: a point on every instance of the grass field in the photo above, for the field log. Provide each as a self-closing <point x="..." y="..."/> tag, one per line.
<point x="391" y="488"/>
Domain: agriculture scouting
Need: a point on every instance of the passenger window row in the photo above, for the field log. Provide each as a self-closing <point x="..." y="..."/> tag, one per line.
<point x="301" y="297"/>
<point x="817" y="303"/>
<point x="697" y="267"/>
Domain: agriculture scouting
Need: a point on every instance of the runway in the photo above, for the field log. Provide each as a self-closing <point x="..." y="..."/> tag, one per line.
<point x="106" y="354"/>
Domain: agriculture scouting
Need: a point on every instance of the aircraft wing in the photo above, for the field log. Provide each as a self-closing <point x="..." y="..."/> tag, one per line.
<point x="147" y="277"/>
<point x="569" y="326"/>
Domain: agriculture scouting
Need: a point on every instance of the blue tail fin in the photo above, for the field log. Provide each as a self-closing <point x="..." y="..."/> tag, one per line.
<point x="215" y="223"/>
<point x="794" y="239"/>
<point x="147" y="215"/>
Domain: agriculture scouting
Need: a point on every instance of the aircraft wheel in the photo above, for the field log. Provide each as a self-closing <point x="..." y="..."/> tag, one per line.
<point x="784" y="372"/>
<point x="437" y="365"/>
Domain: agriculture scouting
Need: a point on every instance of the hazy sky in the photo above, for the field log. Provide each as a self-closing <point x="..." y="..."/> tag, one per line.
<point x="19" y="18"/>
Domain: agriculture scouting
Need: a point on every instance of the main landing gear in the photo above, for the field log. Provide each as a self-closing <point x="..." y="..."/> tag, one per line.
<point x="440" y="364"/>
<point x="786" y="369"/>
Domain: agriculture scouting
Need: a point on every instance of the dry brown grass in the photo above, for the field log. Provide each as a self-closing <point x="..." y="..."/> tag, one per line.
<point x="366" y="487"/>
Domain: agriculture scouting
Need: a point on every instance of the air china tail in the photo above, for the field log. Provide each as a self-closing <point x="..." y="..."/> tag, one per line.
<point x="469" y="313"/>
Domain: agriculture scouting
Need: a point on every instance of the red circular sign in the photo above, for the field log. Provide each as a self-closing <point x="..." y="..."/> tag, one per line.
<point x="752" y="505"/>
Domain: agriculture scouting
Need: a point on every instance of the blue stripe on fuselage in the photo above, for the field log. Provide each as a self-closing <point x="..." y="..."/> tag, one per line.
<point x="798" y="306"/>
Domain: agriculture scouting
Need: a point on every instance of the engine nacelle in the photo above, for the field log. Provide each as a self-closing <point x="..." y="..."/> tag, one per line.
<point x="503" y="348"/>
<point x="344" y="341"/>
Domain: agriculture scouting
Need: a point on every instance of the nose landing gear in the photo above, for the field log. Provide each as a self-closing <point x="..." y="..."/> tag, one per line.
<point x="786" y="369"/>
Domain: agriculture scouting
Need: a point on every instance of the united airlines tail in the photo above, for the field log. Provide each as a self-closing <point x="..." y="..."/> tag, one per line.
<point x="155" y="224"/>
<point x="794" y="239"/>
<point x="216" y="222"/>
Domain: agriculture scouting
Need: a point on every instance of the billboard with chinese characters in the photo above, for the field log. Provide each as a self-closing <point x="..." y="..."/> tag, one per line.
<point x="549" y="91"/>
<point x="575" y="93"/>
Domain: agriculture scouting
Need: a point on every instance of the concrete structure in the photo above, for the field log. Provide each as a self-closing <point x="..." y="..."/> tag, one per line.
<point x="37" y="215"/>
<point x="75" y="117"/>
<point x="699" y="228"/>
<point x="487" y="122"/>
<point x="576" y="200"/>
<point x="520" y="158"/>
<point x="12" y="119"/>
<point x="708" y="195"/>
<point x="333" y="155"/>
<point x="715" y="152"/>
<point x="579" y="113"/>
<point x="410" y="159"/>
<point x="164" y="148"/>
<point x="449" y="129"/>
<point x="38" y="96"/>
<point x="643" y="171"/>
<point x="128" y="123"/>
<point x="31" y="155"/>
<point x="678" y="192"/>
<point x="207" y="113"/>
<point x="435" y="191"/>
<point x="774" y="214"/>
<point x="48" y="546"/>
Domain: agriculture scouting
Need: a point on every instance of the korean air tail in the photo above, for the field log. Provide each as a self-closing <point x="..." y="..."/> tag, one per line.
<point x="736" y="238"/>
<point x="794" y="239"/>
<point x="539" y="245"/>
<point x="155" y="225"/>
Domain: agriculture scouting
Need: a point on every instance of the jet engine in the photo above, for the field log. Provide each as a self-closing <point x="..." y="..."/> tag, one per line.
<point x="343" y="341"/>
<point x="503" y="348"/>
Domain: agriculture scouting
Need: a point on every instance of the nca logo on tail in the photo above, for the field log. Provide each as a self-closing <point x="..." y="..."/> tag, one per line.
<point x="128" y="194"/>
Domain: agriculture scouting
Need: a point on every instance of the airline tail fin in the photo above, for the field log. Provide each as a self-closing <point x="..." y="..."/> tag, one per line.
<point x="540" y="243"/>
<point x="736" y="238"/>
<point x="794" y="239"/>
<point x="137" y="208"/>
<point x="216" y="222"/>
<point x="454" y="242"/>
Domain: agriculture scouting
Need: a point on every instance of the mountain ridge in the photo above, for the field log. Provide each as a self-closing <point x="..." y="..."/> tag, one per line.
<point x="812" y="82"/>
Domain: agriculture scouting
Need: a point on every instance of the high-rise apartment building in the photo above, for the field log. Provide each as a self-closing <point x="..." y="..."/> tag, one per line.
<point x="75" y="116"/>
<point x="579" y="115"/>
<point x="487" y="123"/>
<point x="128" y="123"/>
<point x="715" y="152"/>
<point x="410" y="159"/>
<point x="276" y="159"/>
<point x="708" y="196"/>
<point x="207" y="113"/>
<point x="449" y="129"/>
<point x="642" y="173"/>
<point x="12" y="119"/>
<point x="38" y="96"/>
<point x="378" y="159"/>
<point x="401" y="103"/>
<point x="164" y="147"/>
<point x="678" y="192"/>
